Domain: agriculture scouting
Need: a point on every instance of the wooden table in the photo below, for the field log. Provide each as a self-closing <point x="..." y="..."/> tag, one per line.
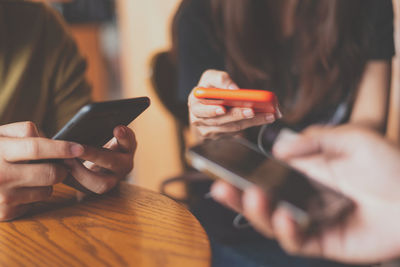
<point x="129" y="226"/>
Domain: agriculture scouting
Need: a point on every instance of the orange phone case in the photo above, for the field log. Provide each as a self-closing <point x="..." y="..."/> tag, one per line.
<point x="259" y="100"/>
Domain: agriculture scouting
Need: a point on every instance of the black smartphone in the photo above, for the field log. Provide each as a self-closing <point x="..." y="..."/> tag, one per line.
<point x="94" y="123"/>
<point x="242" y="164"/>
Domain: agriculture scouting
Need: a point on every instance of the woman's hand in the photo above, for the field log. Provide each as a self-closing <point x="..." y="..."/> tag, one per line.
<point x="211" y="120"/>
<point x="105" y="167"/>
<point x="23" y="182"/>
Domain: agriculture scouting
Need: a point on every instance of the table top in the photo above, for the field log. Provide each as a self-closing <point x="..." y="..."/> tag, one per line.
<point x="129" y="226"/>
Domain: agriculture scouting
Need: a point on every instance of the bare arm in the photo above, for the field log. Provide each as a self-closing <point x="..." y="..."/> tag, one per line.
<point x="370" y="107"/>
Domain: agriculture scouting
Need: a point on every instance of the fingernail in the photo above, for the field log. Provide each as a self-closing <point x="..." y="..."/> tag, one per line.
<point x="77" y="149"/>
<point x="248" y="113"/>
<point x="270" y="118"/>
<point x="220" y="111"/>
<point x="121" y="131"/>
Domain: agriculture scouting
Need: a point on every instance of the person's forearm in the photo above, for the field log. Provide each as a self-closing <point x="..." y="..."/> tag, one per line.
<point x="370" y="107"/>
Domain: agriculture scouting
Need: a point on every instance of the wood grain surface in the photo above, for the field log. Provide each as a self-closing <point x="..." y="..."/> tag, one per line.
<point x="129" y="226"/>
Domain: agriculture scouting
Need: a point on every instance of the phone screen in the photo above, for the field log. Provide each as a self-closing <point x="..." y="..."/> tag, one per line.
<point x="93" y="125"/>
<point x="242" y="164"/>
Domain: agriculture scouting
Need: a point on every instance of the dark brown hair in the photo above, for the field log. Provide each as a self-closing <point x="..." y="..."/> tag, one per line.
<point x="328" y="51"/>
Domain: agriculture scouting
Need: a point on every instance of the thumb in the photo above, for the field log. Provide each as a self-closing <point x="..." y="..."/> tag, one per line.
<point x="289" y="145"/>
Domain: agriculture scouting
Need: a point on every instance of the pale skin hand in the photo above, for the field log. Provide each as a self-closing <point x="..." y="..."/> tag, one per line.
<point x="23" y="183"/>
<point x="105" y="167"/>
<point x="352" y="160"/>
<point x="209" y="121"/>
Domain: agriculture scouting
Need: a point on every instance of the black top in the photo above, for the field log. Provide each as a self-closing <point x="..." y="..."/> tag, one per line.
<point x="197" y="49"/>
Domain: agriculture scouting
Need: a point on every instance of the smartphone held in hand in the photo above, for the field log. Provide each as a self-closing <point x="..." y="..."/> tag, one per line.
<point x="259" y="100"/>
<point x="94" y="123"/>
<point x="242" y="164"/>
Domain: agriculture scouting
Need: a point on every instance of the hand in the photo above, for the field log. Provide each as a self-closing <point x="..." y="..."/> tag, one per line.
<point x="23" y="183"/>
<point x="105" y="167"/>
<point x="353" y="161"/>
<point x="212" y="120"/>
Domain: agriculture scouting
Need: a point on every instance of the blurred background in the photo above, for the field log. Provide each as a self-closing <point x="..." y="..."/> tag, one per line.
<point x="119" y="39"/>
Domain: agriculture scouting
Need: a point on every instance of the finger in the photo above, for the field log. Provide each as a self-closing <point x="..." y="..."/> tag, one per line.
<point x="19" y="129"/>
<point x="258" y="120"/>
<point x="316" y="168"/>
<point x="289" y="144"/>
<point x="289" y="236"/>
<point x="8" y="213"/>
<point x="25" y="195"/>
<point x="95" y="182"/>
<point x="301" y="146"/>
<point x="115" y="162"/>
<point x="33" y="175"/>
<point x="112" y="144"/>
<point x="256" y="208"/>
<point x="227" y="195"/>
<point x="126" y="139"/>
<point x="201" y="110"/>
<point x="308" y="142"/>
<point x="236" y="115"/>
<point x="72" y="182"/>
<point x="217" y="79"/>
<point x="233" y="115"/>
<point x="25" y="149"/>
<point x="211" y="131"/>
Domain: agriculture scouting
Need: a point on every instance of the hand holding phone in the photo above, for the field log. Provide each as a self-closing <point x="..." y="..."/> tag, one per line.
<point x="107" y="159"/>
<point x="209" y="117"/>
<point x="241" y="164"/>
<point x="353" y="160"/>
<point x="94" y="123"/>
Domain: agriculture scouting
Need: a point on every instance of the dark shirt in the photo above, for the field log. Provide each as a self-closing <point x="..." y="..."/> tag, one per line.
<point x="198" y="50"/>
<point x="42" y="74"/>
